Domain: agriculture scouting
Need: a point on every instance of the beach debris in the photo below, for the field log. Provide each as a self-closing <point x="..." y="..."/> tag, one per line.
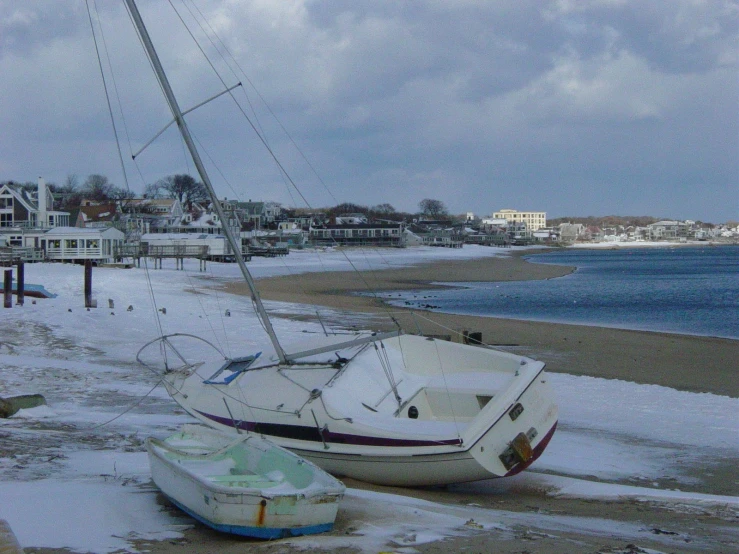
<point x="8" y="543"/>
<point x="163" y="310"/>
<point x="628" y="549"/>
<point x="111" y="304"/>
<point x="228" y="313"/>
<point x="11" y="405"/>
<point x="658" y="531"/>
<point x="472" y="337"/>
<point x="130" y="308"/>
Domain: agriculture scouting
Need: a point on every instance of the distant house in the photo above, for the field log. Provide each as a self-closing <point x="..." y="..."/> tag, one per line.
<point x="668" y="230"/>
<point x="283" y="237"/>
<point x="139" y="216"/>
<point x="25" y="209"/>
<point x="570" y="232"/>
<point x="490" y="223"/>
<point x="256" y="215"/>
<point x="546" y="234"/>
<point x="97" y="214"/>
<point x="132" y="216"/>
<point x="210" y="246"/>
<point x="487" y="236"/>
<point x="592" y="232"/>
<point x="376" y="234"/>
<point x="443" y="238"/>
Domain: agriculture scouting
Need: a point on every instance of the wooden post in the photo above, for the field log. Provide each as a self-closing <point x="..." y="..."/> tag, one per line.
<point x="20" y="286"/>
<point x="8" y="289"/>
<point x="88" y="283"/>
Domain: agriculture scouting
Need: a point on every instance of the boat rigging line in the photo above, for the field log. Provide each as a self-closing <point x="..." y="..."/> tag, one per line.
<point x="184" y="130"/>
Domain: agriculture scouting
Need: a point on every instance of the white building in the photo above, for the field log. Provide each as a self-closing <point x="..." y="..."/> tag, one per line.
<point x="533" y="220"/>
<point x="75" y="244"/>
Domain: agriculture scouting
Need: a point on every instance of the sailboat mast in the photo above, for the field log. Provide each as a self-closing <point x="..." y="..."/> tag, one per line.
<point x="185" y="131"/>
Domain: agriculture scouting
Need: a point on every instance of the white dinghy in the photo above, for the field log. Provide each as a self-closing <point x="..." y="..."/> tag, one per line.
<point x="243" y="484"/>
<point x="391" y="409"/>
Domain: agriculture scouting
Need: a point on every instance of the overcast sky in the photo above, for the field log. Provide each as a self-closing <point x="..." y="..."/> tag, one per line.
<point x="573" y="107"/>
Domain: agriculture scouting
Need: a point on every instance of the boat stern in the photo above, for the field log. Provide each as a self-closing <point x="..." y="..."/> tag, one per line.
<point x="520" y="435"/>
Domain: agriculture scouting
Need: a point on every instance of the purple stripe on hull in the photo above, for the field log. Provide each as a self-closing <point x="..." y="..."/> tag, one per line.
<point x="312" y="434"/>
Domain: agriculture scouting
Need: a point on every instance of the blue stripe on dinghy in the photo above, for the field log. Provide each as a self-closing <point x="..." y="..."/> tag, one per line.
<point x="312" y="434"/>
<point x="256" y="532"/>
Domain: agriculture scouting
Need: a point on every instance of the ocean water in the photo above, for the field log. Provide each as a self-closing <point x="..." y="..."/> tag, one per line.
<point x="689" y="290"/>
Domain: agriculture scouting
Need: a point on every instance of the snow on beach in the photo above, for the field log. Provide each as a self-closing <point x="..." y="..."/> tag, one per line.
<point x="75" y="473"/>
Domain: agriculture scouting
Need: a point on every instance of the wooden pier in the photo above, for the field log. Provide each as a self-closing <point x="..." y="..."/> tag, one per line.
<point x="10" y="256"/>
<point x="159" y="253"/>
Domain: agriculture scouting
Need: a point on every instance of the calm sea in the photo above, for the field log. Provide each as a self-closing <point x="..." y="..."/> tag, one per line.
<point x="691" y="290"/>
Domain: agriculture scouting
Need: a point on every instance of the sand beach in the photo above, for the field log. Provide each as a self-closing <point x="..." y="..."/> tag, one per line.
<point x="690" y="363"/>
<point x="527" y="517"/>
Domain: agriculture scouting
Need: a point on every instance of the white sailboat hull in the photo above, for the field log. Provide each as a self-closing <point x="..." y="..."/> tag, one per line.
<point x="480" y="413"/>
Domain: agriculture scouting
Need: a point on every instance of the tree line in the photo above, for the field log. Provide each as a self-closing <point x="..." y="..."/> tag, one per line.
<point x="186" y="189"/>
<point x="98" y="188"/>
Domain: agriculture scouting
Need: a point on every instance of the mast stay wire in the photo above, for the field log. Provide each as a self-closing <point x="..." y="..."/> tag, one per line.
<point x="256" y="90"/>
<point x="105" y="85"/>
<point x="262" y="138"/>
<point x="115" y="132"/>
<point x="241" y="109"/>
<point x="197" y="20"/>
<point x="264" y="141"/>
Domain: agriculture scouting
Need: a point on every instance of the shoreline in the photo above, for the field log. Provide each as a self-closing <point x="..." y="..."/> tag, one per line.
<point x="692" y="363"/>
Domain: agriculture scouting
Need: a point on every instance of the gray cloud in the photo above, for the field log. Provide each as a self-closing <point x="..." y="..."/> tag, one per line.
<point x="572" y="107"/>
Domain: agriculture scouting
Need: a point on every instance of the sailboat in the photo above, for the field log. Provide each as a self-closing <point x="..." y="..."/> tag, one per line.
<point x="387" y="408"/>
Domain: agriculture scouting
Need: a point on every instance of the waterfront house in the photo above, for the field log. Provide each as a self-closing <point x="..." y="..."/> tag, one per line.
<point x="366" y="234"/>
<point x="24" y="209"/>
<point x="75" y="244"/>
<point x="668" y="230"/>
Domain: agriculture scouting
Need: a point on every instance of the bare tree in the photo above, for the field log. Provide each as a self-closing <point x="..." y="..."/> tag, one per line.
<point x="184" y="188"/>
<point x="68" y="195"/>
<point x="155" y="190"/>
<point x="347" y="208"/>
<point x="97" y="187"/>
<point x="71" y="183"/>
<point x="383" y="209"/>
<point x="433" y="208"/>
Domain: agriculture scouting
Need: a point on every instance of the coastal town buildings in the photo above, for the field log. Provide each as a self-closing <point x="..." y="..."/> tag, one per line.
<point x="106" y="230"/>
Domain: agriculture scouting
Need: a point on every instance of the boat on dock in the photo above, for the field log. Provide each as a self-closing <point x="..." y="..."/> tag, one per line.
<point x="243" y="484"/>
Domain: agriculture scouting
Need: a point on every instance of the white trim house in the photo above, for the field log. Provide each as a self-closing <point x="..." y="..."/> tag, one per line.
<point x="23" y="209"/>
<point x="75" y="244"/>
